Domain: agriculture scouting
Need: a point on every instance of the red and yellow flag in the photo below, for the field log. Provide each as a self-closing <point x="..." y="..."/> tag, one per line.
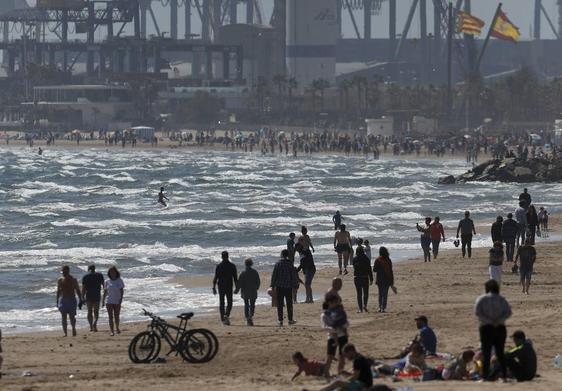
<point x="505" y="29"/>
<point x="469" y="24"/>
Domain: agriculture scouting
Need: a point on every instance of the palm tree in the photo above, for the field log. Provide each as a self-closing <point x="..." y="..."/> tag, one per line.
<point x="344" y="87"/>
<point x="320" y="85"/>
<point x="359" y="82"/>
<point x="280" y="80"/>
<point x="292" y="84"/>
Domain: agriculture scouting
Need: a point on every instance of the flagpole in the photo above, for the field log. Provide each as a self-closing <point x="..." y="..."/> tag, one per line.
<point x="477" y="69"/>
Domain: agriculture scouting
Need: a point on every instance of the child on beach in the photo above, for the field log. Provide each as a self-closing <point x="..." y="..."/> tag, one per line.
<point x="309" y="367"/>
<point x="415" y="360"/>
<point x="334" y="319"/>
<point x="457" y="368"/>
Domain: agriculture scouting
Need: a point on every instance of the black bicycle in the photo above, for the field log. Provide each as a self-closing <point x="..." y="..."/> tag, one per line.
<point x="195" y="345"/>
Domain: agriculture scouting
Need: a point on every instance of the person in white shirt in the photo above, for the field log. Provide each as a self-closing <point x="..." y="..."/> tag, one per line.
<point x="113" y="297"/>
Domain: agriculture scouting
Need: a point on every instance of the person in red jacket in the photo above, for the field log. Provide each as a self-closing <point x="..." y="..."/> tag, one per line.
<point x="436" y="232"/>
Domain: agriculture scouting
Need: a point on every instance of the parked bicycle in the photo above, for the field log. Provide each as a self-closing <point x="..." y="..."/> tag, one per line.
<point x="195" y="345"/>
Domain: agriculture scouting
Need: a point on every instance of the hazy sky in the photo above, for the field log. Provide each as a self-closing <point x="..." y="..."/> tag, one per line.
<point x="519" y="11"/>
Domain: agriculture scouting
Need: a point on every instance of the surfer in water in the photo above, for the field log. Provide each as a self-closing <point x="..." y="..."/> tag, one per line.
<point x="162" y="197"/>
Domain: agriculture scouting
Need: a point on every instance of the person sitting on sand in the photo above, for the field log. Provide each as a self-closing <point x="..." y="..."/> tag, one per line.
<point x="309" y="367"/>
<point x="162" y="197"/>
<point x="457" y="369"/>
<point x="415" y="360"/>
<point x="67" y="290"/>
<point x="426" y="338"/>
<point x="334" y="320"/>
<point x="522" y="360"/>
<point x="362" y="377"/>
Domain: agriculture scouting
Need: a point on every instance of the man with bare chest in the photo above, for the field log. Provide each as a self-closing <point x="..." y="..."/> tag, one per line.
<point x="67" y="290"/>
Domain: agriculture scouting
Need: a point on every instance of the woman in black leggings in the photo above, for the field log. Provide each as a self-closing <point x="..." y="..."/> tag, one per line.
<point x="363" y="277"/>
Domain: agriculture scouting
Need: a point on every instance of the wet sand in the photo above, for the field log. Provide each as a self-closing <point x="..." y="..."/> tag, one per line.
<point x="259" y="358"/>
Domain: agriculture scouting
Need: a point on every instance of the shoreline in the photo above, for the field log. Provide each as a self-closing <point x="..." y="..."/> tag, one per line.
<point x="447" y="301"/>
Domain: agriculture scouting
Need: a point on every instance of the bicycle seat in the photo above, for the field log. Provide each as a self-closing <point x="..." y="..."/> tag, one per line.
<point x="185" y="316"/>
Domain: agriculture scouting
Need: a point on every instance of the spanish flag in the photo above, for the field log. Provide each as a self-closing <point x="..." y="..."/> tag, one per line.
<point x="469" y="24"/>
<point x="505" y="29"/>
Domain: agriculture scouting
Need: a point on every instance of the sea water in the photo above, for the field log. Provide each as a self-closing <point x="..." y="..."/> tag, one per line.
<point x="85" y="206"/>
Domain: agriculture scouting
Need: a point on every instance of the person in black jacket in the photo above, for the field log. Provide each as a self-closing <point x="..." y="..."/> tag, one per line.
<point x="510" y="228"/>
<point x="522" y="360"/>
<point x="249" y="284"/>
<point x="226" y="277"/>
<point x="497" y="230"/>
<point x="532" y="223"/>
<point x="363" y="277"/>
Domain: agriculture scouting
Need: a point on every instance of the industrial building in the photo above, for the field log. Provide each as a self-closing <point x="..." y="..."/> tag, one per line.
<point x="232" y="47"/>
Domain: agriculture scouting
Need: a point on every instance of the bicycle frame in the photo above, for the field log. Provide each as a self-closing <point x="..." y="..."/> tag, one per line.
<point x="162" y="327"/>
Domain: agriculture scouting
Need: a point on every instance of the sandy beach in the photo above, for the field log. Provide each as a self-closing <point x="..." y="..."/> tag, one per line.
<point x="259" y="358"/>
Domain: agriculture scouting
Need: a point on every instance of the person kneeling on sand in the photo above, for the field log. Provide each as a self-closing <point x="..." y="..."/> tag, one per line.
<point x="309" y="367"/>
<point x="457" y="368"/>
<point x="362" y="377"/>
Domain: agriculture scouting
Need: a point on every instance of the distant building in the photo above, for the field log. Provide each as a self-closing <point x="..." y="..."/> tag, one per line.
<point x="312" y="33"/>
<point x="83" y="106"/>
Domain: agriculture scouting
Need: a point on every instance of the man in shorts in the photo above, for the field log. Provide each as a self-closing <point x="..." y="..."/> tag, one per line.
<point x="362" y="377"/>
<point x="342" y="245"/>
<point x="527" y="255"/>
<point x="92" y="284"/>
<point x="67" y="290"/>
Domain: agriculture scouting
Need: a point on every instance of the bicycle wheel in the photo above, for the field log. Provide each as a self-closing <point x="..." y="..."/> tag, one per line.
<point x="195" y="346"/>
<point x="144" y="347"/>
<point x="214" y="341"/>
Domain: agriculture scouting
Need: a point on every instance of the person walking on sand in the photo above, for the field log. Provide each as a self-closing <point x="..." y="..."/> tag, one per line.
<point x="342" y="246"/>
<point x="162" y="197"/>
<point x="67" y="290"/>
<point x="92" y="285"/>
<point x="521" y="218"/>
<point x="363" y="277"/>
<point x="496" y="230"/>
<point x="283" y="281"/>
<point x="510" y="230"/>
<point x="496" y="262"/>
<point x="525" y="197"/>
<point x="113" y="298"/>
<point x="309" y="269"/>
<point x="336" y="219"/>
<point x="226" y="277"/>
<point x="248" y="285"/>
<point x="425" y="239"/>
<point x="466" y="229"/>
<point x="291" y="246"/>
<point x="532" y="223"/>
<point x="527" y="255"/>
<point x="492" y="311"/>
<point x="437" y="234"/>
<point x="385" y="277"/>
